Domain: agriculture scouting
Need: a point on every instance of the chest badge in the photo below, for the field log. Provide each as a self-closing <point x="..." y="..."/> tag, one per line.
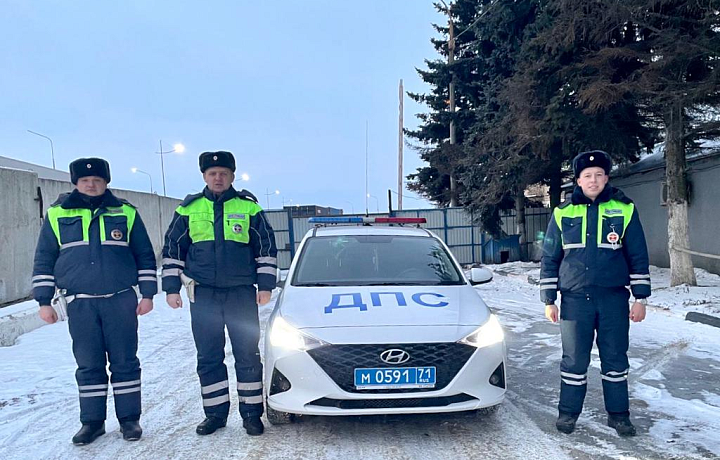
<point x="237" y="228"/>
<point x="613" y="238"/>
<point x="116" y="234"/>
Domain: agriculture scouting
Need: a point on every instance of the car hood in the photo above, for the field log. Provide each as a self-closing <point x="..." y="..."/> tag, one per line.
<point x="372" y="306"/>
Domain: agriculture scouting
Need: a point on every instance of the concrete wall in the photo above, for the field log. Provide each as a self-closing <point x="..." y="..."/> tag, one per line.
<point x="19" y="227"/>
<point x="645" y="189"/>
<point x="22" y="217"/>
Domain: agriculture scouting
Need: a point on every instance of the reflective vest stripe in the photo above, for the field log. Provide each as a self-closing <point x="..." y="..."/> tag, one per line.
<point x="236" y="219"/>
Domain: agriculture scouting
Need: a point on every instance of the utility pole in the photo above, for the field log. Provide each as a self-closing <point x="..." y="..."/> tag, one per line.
<point x="400" y="149"/>
<point x="162" y="167"/>
<point x="451" y="62"/>
<point x="367" y="194"/>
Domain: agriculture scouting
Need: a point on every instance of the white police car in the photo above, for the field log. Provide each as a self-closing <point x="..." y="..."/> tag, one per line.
<point x="380" y="320"/>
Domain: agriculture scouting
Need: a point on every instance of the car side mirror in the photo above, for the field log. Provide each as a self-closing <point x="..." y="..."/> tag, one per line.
<point x="480" y="276"/>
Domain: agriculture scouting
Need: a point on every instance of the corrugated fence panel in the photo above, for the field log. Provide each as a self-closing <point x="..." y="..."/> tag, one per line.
<point x="458" y="236"/>
<point x="457" y="217"/>
<point x="282" y="240"/>
<point x="284" y="260"/>
<point x="300" y="228"/>
<point x="463" y="254"/>
<point x="478" y="252"/>
<point x="407" y="213"/>
<point x="278" y="220"/>
<point x="280" y="223"/>
<point x="435" y="218"/>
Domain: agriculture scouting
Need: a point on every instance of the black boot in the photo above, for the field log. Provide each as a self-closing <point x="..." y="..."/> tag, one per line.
<point x="566" y="422"/>
<point x="253" y="426"/>
<point x="89" y="432"/>
<point x="210" y="425"/>
<point x="131" y="430"/>
<point x="622" y="425"/>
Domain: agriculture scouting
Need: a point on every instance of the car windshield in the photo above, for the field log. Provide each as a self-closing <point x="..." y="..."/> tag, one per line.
<point x="375" y="260"/>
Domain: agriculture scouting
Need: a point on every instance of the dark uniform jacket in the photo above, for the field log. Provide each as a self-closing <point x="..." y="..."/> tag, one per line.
<point x="222" y="242"/>
<point x="93" y="249"/>
<point x="578" y="250"/>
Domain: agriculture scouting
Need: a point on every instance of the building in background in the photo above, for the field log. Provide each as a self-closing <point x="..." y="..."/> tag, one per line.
<point x="312" y="210"/>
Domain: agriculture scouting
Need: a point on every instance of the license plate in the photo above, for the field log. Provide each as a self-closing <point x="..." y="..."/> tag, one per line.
<point x="394" y="378"/>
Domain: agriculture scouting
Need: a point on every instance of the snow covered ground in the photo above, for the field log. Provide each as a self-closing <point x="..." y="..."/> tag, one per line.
<point x="674" y="384"/>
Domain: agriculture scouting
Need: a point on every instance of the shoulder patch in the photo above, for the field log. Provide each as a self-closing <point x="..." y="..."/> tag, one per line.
<point x="190" y="198"/>
<point x="247" y="195"/>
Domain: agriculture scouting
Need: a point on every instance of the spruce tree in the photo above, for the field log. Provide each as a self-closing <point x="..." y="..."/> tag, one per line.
<point x="444" y="160"/>
<point x="674" y="50"/>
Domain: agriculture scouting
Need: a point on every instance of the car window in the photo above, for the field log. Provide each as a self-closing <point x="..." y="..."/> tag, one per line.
<point x="371" y="260"/>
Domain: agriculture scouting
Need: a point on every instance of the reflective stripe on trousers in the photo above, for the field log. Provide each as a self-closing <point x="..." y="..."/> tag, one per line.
<point x="213" y="311"/>
<point x="102" y="328"/>
<point x="605" y="311"/>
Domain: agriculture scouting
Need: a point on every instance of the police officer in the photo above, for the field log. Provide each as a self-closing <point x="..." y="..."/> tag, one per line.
<point x="594" y="247"/>
<point x="222" y="244"/>
<point x="94" y="248"/>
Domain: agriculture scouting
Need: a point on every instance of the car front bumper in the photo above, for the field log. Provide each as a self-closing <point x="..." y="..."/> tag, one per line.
<point x="313" y="392"/>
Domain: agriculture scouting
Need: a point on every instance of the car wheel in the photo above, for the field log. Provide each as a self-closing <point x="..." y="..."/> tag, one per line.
<point x="276" y="417"/>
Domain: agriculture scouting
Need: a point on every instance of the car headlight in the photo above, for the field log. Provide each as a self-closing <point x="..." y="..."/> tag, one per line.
<point x="488" y="334"/>
<point x="284" y="335"/>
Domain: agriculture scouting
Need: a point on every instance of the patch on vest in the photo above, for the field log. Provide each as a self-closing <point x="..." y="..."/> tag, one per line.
<point x="237" y="228"/>
<point x="116" y="234"/>
<point x="613" y="238"/>
<point x="613" y="211"/>
<point x="236" y="216"/>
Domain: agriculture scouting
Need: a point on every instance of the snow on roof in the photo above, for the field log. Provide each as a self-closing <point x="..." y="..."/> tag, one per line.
<point x="656" y="158"/>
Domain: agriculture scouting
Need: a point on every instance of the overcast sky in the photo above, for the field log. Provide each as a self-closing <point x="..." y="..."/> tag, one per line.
<point x="287" y="86"/>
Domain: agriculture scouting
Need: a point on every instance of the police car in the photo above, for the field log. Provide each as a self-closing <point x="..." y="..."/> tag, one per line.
<point x="380" y="319"/>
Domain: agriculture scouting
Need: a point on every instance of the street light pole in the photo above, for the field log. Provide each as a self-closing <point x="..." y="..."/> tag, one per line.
<point x="162" y="167"/>
<point x="179" y="148"/>
<point x="377" y="202"/>
<point x="267" y="196"/>
<point x="136" y="170"/>
<point x="52" y="148"/>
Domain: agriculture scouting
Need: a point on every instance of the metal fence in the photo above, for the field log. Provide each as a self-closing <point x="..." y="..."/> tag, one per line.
<point x="467" y="241"/>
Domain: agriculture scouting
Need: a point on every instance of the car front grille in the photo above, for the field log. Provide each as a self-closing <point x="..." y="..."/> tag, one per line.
<point x="391" y="403"/>
<point x="340" y="361"/>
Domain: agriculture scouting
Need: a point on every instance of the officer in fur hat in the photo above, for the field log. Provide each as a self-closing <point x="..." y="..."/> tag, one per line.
<point x="220" y="244"/>
<point x="594" y="247"/>
<point x="94" y="249"/>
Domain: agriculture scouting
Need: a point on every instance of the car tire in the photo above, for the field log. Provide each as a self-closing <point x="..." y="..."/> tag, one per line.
<point x="276" y="417"/>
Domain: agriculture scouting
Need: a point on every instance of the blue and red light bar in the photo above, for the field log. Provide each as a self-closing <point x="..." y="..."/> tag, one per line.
<point x="367" y="220"/>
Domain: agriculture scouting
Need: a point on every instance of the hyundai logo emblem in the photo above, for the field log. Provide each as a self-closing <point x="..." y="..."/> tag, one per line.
<point x="395" y="356"/>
